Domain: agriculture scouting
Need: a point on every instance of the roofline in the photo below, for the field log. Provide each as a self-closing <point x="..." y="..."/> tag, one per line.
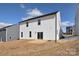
<point x="40" y="16"/>
<point x="7" y="26"/>
<point x="31" y="19"/>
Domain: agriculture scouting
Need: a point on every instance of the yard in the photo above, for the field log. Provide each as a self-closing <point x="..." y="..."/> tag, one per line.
<point x="39" y="48"/>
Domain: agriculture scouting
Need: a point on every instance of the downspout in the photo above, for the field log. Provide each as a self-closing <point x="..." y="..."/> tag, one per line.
<point x="6" y="34"/>
<point x="18" y="31"/>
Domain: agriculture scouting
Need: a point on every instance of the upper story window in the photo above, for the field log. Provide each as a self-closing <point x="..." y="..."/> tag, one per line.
<point x="26" y="24"/>
<point x="39" y="22"/>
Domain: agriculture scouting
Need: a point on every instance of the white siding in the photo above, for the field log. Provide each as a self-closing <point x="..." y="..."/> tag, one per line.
<point x="47" y="27"/>
<point x="50" y="26"/>
<point x="59" y="33"/>
<point x="13" y="32"/>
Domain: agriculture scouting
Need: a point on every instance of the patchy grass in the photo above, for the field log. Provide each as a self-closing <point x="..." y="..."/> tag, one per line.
<point x="40" y="48"/>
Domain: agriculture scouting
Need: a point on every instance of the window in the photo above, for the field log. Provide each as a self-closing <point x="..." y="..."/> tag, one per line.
<point x="21" y="34"/>
<point x="39" y="22"/>
<point x="26" y="24"/>
<point x="30" y="34"/>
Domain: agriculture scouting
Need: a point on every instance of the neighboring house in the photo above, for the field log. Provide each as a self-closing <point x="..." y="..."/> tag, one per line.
<point x="9" y="33"/>
<point x="77" y="23"/>
<point x="45" y="27"/>
<point x="70" y="30"/>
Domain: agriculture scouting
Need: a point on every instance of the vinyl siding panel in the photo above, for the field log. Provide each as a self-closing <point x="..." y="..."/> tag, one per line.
<point x="47" y="26"/>
<point x="12" y="32"/>
<point x="59" y="31"/>
<point x="76" y="28"/>
<point x="3" y="35"/>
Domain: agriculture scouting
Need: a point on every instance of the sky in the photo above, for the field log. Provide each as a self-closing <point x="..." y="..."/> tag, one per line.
<point x="12" y="13"/>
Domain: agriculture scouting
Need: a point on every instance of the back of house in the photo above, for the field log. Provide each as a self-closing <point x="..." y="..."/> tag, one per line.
<point x="45" y="27"/>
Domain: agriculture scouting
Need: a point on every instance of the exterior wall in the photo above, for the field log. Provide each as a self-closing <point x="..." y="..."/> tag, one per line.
<point x="3" y="35"/>
<point x="58" y="20"/>
<point x="48" y="26"/>
<point x="12" y="32"/>
<point x="76" y="28"/>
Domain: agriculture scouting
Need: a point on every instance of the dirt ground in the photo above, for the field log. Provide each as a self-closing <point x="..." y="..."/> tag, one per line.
<point x="39" y="48"/>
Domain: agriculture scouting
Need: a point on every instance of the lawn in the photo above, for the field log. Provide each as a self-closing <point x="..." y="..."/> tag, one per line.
<point x="39" y="48"/>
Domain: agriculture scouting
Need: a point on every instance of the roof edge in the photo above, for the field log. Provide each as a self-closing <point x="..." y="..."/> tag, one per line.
<point x="8" y="26"/>
<point x="40" y="16"/>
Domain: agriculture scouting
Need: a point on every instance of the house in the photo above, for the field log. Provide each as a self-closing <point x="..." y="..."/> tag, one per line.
<point x="45" y="27"/>
<point x="76" y="27"/>
<point x="70" y="30"/>
<point x="9" y="33"/>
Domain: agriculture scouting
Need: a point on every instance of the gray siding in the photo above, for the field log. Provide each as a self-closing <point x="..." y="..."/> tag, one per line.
<point x="12" y="32"/>
<point x="76" y="28"/>
<point x="3" y="35"/>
